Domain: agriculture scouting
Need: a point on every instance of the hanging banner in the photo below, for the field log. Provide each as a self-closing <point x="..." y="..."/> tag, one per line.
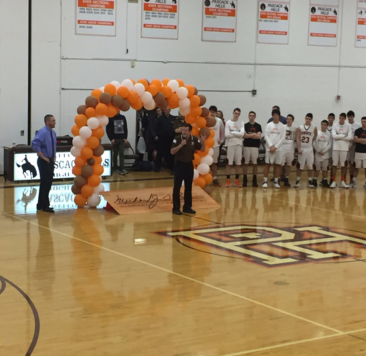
<point x="323" y="24"/>
<point x="361" y="24"/>
<point x="273" y="23"/>
<point x="160" y="19"/>
<point x="96" y="17"/>
<point x="219" y="20"/>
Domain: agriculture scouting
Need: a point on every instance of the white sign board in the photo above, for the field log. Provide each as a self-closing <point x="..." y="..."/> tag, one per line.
<point x="323" y="25"/>
<point x="160" y="19"/>
<point x="273" y="22"/>
<point x="26" y="168"/>
<point x="219" y="20"/>
<point x="361" y="24"/>
<point x="96" y="17"/>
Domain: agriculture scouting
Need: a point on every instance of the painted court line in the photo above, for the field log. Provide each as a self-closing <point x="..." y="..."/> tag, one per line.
<point x="183" y="276"/>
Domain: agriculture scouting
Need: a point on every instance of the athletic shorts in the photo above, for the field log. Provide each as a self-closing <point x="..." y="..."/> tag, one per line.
<point x="288" y="157"/>
<point x="251" y="154"/>
<point x="234" y="154"/>
<point x="360" y="160"/>
<point x="322" y="165"/>
<point x="339" y="158"/>
<point x="351" y="155"/>
<point x="216" y="154"/>
<point x="307" y="157"/>
<point x="274" y="158"/>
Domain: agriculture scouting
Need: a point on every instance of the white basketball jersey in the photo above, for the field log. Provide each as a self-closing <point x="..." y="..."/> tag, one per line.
<point x="307" y="135"/>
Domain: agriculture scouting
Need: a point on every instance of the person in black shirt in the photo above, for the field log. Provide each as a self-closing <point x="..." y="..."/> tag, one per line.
<point x="117" y="133"/>
<point x="151" y="144"/>
<point x="360" y="155"/>
<point x="183" y="148"/>
<point x="164" y="137"/>
<point x="252" y="137"/>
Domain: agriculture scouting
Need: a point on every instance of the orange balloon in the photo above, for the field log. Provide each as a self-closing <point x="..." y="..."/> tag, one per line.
<point x="153" y="89"/>
<point x="86" y="152"/>
<point x="101" y="109"/>
<point x="166" y="81"/>
<point x="196" y="111"/>
<point x="79" y="200"/>
<point x="210" y="142"/>
<point x="212" y="133"/>
<point x="133" y="81"/>
<point x="190" y="119"/>
<point x="133" y="97"/>
<point x="80" y="161"/>
<point x="94" y="180"/>
<point x="207" y="178"/>
<point x="96" y="93"/>
<point x="195" y="101"/>
<point x="75" y="130"/>
<point x="97" y="159"/>
<point x="98" y="169"/>
<point x="92" y="142"/>
<point x="137" y="105"/>
<point x="190" y="89"/>
<point x="195" y="131"/>
<point x="81" y="120"/>
<point x="144" y="83"/>
<point x="157" y="83"/>
<point x="87" y="191"/>
<point x="167" y="91"/>
<point x="123" y="92"/>
<point x="180" y="82"/>
<point x="205" y="153"/>
<point x="112" y="111"/>
<point x="99" y="132"/>
<point x="200" y="182"/>
<point x="76" y="170"/>
<point x="110" y="89"/>
<point x="173" y="101"/>
<point x="90" y="112"/>
<point x="197" y="159"/>
<point x="201" y="122"/>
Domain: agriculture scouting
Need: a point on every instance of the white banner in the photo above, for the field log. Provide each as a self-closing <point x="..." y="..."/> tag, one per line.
<point x="160" y="19"/>
<point x="219" y="20"/>
<point x="273" y="22"/>
<point x="323" y="25"/>
<point x="361" y="24"/>
<point x="96" y="17"/>
<point x="26" y="168"/>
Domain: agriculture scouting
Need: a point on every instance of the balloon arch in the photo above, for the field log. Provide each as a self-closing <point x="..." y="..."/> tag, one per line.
<point x="107" y="101"/>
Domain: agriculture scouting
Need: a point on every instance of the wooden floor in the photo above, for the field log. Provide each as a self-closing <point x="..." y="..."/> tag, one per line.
<point x="276" y="272"/>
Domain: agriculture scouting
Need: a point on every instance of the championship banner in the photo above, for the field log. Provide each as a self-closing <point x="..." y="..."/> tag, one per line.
<point x="154" y="200"/>
<point x="361" y="24"/>
<point x="96" y="17"/>
<point x="219" y="20"/>
<point x="323" y="24"/>
<point x="273" y="25"/>
<point x="160" y="19"/>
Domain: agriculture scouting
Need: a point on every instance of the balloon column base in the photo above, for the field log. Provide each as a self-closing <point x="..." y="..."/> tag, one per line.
<point x="109" y="207"/>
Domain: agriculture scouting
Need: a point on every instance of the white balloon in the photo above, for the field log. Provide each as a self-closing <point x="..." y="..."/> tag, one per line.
<point x="94" y="200"/>
<point x="184" y="103"/>
<point x="103" y="120"/>
<point x="146" y="97"/>
<point x="211" y="152"/>
<point x="185" y="111"/>
<point x="182" y="93"/>
<point x="99" y="189"/>
<point x="195" y="174"/>
<point x="75" y="151"/>
<point x="78" y="142"/>
<point x="85" y="132"/>
<point x="127" y="83"/>
<point x="102" y="89"/>
<point x="207" y="160"/>
<point x="203" y="168"/>
<point x="174" y="85"/>
<point x="150" y="105"/>
<point x="93" y="123"/>
<point x="139" y="89"/>
<point x="116" y="84"/>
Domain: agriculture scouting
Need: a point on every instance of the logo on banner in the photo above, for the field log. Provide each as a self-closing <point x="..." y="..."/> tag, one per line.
<point x="272" y="246"/>
<point x="29" y="171"/>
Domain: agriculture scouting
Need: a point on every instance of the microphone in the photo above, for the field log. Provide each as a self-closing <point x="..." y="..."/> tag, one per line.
<point x="184" y="137"/>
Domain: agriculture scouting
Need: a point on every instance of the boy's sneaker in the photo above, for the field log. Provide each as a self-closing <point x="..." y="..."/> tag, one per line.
<point x="333" y="185"/>
<point x="228" y="183"/>
<point x="255" y="183"/>
<point x="237" y="183"/>
<point x="315" y="182"/>
<point x="216" y="183"/>
<point x="324" y="183"/>
<point x="123" y="172"/>
<point x="297" y="185"/>
<point x="343" y="185"/>
<point x="265" y="185"/>
<point x="310" y="184"/>
<point x="353" y="184"/>
<point x="245" y="181"/>
<point x="276" y="185"/>
<point x="287" y="183"/>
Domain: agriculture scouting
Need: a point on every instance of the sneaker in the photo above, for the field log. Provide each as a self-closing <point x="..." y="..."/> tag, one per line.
<point x="333" y="185"/>
<point x="297" y="185"/>
<point x="123" y="172"/>
<point x="276" y="185"/>
<point x="237" y="183"/>
<point x="353" y="184"/>
<point x="324" y="183"/>
<point x="287" y="183"/>
<point x="265" y="185"/>
<point x="245" y="181"/>
<point x="343" y="185"/>
<point x="315" y="182"/>
<point x="228" y="183"/>
<point x="189" y="211"/>
<point x="216" y="183"/>
<point x="255" y="183"/>
<point x="310" y="184"/>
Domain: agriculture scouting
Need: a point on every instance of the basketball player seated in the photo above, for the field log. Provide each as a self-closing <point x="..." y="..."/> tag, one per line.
<point x="322" y="145"/>
<point x="305" y="136"/>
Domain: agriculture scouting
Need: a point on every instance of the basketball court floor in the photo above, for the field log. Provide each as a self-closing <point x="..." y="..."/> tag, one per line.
<point x="276" y="272"/>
